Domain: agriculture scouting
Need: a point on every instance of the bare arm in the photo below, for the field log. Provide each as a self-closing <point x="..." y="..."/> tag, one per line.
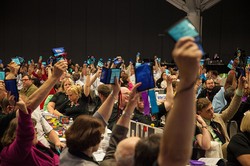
<point x="176" y="145"/>
<point x="51" y="109"/>
<point x="36" y="98"/>
<point x="86" y="87"/>
<point x="53" y="137"/>
<point x="244" y="159"/>
<point x="169" y="95"/>
<point x="204" y="139"/>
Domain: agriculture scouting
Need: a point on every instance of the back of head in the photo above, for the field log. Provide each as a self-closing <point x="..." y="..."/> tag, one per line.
<point x="104" y="89"/>
<point x="10" y="134"/>
<point x="147" y="150"/>
<point x="85" y="132"/>
<point x="76" y="76"/>
<point x="124" y="153"/>
<point x="4" y="104"/>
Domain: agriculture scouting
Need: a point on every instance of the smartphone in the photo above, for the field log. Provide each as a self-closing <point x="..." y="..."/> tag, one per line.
<point x="183" y="28"/>
<point x="11" y="86"/>
<point x="2" y="75"/>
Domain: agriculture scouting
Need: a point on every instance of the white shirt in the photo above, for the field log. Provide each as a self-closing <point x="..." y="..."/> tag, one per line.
<point x="42" y="126"/>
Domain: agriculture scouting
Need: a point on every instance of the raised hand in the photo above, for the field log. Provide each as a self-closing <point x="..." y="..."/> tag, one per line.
<point x="59" y="68"/>
<point x="186" y="55"/>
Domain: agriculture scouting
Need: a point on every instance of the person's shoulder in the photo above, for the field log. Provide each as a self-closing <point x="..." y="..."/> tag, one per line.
<point x="242" y="136"/>
<point x="217" y="88"/>
<point x="34" y="86"/>
<point x="60" y="94"/>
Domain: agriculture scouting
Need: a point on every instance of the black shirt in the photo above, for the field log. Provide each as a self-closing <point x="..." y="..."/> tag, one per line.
<point x="239" y="145"/>
<point x="207" y="94"/>
<point x="152" y="118"/>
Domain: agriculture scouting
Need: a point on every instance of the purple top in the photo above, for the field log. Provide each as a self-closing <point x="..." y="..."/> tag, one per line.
<point x="22" y="151"/>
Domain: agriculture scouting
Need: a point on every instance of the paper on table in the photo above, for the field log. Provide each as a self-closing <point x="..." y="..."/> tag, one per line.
<point x="210" y="161"/>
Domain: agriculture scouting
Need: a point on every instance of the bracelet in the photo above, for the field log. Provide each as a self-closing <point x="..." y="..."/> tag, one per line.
<point x="185" y="89"/>
<point x="204" y="127"/>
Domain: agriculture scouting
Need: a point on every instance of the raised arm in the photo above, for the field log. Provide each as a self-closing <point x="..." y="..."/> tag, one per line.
<point x="176" y="145"/>
<point x="204" y="139"/>
<point x="170" y="94"/>
<point x="106" y="108"/>
<point x="36" y="98"/>
<point x="24" y="135"/>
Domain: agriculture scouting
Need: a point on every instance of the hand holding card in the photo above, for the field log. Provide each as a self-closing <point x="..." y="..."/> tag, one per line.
<point x="2" y="75"/>
<point x="184" y="28"/>
<point x="109" y="74"/>
<point x="144" y="74"/>
<point x="11" y="86"/>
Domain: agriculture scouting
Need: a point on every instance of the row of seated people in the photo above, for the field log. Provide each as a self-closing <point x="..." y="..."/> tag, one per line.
<point x="76" y="101"/>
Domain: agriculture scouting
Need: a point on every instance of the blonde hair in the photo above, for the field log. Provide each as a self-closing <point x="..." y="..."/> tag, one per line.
<point x="245" y="123"/>
<point x="64" y="81"/>
<point x="76" y="89"/>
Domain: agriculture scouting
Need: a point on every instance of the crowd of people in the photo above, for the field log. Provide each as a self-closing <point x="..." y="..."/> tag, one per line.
<point x="197" y="111"/>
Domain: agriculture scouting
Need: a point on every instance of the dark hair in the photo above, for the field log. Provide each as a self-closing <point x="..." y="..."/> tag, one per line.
<point x="104" y="90"/>
<point x="158" y="82"/>
<point x="85" y="132"/>
<point x="36" y="82"/>
<point x="57" y="86"/>
<point x="147" y="150"/>
<point x="124" y="78"/>
<point x="27" y="76"/>
<point x="215" y="72"/>
<point x="76" y="76"/>
<point x="202" y="103"/>
<point x="10" y="134"/>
